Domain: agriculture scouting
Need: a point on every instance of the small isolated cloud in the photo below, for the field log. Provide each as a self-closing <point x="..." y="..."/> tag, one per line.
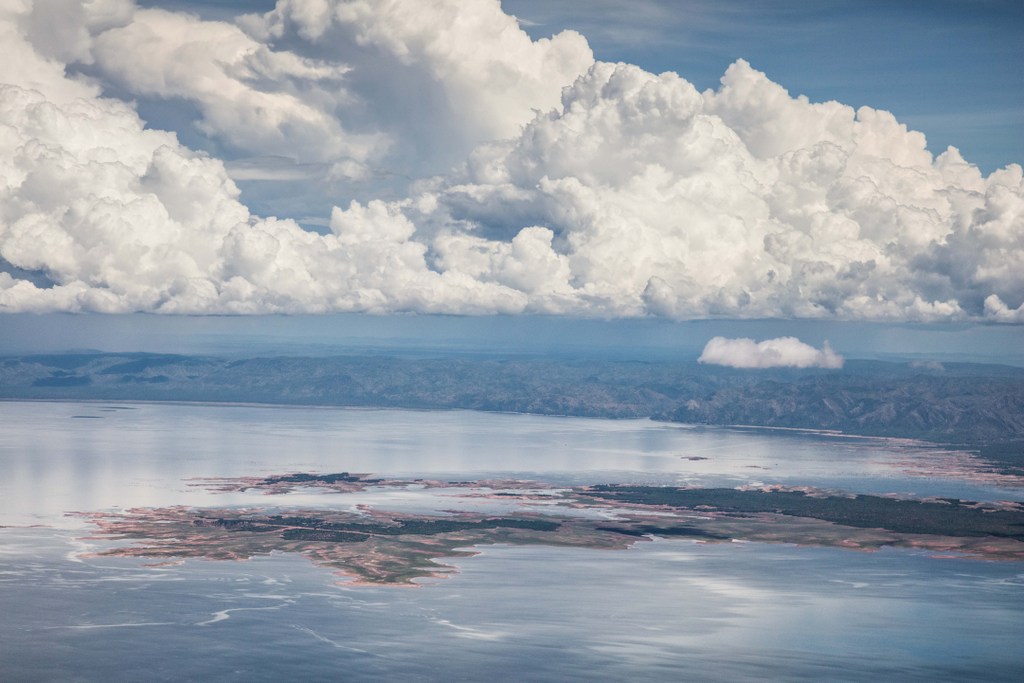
<point x="783" y="352"/>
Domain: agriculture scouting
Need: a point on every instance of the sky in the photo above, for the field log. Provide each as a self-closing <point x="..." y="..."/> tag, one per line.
<point x="947" y="68"/>
<point x="652" y="163"/>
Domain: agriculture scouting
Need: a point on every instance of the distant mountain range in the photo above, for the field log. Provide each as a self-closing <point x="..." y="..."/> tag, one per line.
<point x="970" y="405"/>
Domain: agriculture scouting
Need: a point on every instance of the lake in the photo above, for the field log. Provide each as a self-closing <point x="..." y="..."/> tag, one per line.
<point x="661" y="610"/>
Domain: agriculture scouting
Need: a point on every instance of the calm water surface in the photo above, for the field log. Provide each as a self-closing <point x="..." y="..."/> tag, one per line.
<point x="662" y="610"/>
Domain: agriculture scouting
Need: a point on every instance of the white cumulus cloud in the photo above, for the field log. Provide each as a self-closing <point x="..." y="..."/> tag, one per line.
<point x="745" y="202"/>
<point x="581" y="187"/>
<point x="248" y="95"/>
<point x="783" y="352"/>
<point x="113" y="217"/>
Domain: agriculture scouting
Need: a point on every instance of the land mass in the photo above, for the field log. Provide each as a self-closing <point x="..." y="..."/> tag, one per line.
<point x="381" y="547"/>
<point x="963" y="405"/>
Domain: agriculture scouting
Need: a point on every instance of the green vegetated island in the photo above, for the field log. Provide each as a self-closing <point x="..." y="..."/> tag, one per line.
<point x="975" y="407"/>
<point x="377" y="546"/>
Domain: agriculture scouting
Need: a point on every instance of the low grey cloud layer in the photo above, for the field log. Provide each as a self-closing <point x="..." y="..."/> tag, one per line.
<point x="783" y="352"/>
<point x="581" y="187"/>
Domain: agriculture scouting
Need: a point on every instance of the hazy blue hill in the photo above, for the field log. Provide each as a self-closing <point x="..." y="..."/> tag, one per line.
<point x="962" y="403"/>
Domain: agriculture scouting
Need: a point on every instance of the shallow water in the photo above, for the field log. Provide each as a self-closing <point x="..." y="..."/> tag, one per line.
<point x="56" y="457"/>
<point x="662" y="610"/>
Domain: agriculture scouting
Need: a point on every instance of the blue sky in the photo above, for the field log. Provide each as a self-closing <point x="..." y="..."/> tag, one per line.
<point x="439" y="162"/>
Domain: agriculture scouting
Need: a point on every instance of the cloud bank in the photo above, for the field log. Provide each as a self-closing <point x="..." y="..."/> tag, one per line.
<point x="783" y="352"/>
<point x="578" y="187"/>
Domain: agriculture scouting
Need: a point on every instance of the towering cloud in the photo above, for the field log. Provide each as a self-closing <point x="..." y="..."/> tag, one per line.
<point x="581" y="187"/>
<point x="464" y="72"/>
<point x="745" y="202"/>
